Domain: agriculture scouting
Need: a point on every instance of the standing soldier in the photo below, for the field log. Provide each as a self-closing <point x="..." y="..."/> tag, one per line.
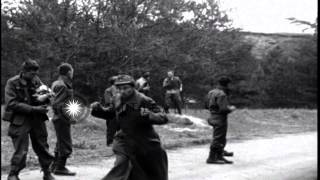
<point x="173" y="87"/>
<point x="62" y="123"/>
<point x="137" y="146"/>
<point x="218" y="104"/>
<point x="27" y="116"/>
<point x="97" y="108"/>
<point x="143" y="85"/>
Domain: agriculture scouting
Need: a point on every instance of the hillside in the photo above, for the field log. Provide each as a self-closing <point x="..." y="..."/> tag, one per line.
<point x="263" y="42"/>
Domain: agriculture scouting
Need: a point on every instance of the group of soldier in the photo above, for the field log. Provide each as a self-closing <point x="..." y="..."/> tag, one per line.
<point x="130" y="114"/>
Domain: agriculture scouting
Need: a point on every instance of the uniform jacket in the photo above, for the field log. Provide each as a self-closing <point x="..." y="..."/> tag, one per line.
<point x="19" y="100"/>
<point x="63" y="91"/>
<point x="143" y="85"/>
<point x="172" y="84"/>
<point x="218" y="104"/>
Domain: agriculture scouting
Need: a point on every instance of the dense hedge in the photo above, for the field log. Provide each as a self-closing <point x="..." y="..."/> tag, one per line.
<point x="104" y="38"/>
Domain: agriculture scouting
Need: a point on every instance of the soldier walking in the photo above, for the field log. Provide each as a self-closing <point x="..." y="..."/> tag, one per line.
<point x="27" y="116"/>
<point x="62" y="122"/>
<point x="173" y="87"/>
<point x="218" y="104"/>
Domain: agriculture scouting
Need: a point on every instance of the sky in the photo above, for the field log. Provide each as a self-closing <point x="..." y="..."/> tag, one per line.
<point x="269" y="16"/>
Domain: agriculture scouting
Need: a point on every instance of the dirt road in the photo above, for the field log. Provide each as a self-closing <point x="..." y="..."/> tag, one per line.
<point x="289" y="157"/>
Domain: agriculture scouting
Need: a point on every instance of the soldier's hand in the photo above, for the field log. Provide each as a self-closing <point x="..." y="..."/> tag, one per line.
<point x="41" y="97"/>
<point x="95" y="105"/>
<point x="39" y="109"/>
<point x="232" y="108"/>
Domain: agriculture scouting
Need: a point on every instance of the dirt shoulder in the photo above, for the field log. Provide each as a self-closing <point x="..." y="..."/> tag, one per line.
<point x="287" y="157"/>
<point x="89" y="140"/>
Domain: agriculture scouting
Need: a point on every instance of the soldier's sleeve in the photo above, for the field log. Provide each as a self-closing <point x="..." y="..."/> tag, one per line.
<point x="180" y="83"/>
<point x="223" y="103"/>
<point x="107" y="98"/>
<point x="61" y="94"/>
<point x="13" y="102"/>
<point x="154" y="115"/>
<point x="206" y="101"/>
<point x="165" y="83"/>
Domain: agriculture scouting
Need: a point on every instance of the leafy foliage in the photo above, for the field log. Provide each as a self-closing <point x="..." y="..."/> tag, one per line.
<point x="104" y="38"/>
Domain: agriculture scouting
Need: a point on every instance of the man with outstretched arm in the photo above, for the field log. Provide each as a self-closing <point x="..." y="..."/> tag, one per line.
<point x="137" y="146"/>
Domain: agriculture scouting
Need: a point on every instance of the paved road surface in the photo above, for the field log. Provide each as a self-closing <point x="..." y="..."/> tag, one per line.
<point x="290" y="157"/>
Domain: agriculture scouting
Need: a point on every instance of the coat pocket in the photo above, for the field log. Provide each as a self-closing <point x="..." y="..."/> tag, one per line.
<point x="18" y="119"/>
<point x="7" y="116"/>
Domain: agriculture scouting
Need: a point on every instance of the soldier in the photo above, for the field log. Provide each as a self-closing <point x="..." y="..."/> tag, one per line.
<point x="138" y="150"/>
<point x="173" y="87"/>
<point x="27" y="116"/>
<point x="108" y="99"/>
<point x="62" y="122"/>
<point x="218" y="104"/>
<point x="143" y="85"/>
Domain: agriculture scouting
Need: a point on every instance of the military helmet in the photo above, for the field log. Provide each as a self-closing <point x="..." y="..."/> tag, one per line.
<point x="124" y="79"/>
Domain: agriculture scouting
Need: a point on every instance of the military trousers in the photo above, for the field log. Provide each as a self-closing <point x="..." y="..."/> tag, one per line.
<point x="219" y="136"/>
<point x="63" y="147"/>
<point x="38" y="134"/>
<point x="173" y="98"/>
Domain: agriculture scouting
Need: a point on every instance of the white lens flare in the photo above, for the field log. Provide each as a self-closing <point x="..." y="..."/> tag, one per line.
<point x="73" y="108"/>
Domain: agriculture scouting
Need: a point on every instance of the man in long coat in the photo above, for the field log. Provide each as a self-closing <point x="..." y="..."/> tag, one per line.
<point x="138" y="150"/>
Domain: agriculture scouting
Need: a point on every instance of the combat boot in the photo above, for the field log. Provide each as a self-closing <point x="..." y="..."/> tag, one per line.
<point x="61" y="168"/>
<point x="213" y="158"/>
<point x="53" y="165"/>
<point x="13" y="176"/>
<point x="47" y="175"/>
<point x="226" y="161"/>
<point x="226" y="153"/>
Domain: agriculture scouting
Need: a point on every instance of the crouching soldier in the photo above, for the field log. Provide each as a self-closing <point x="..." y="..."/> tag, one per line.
<point x="27" y="116"/>
<point x="137" y="146"/>
<point x="218" y="104"/>
<point x="63" y="91"/>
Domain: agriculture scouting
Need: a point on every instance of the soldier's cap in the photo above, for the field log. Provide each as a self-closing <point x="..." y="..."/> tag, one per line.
<point x="112" y="79"/>
<point x="30" y="65"/>
<point x="64" y="68"/>
<point x="146" y="74"/>
<point x="124" y="80"/>
<point x="224" y="80"/>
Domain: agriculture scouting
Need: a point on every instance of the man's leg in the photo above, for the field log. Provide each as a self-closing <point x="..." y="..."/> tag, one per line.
<point x="176" y="99"/>
<point x="20" y="140"/>
<point x="219" y="141"/>
<point x="39" y="137"/>
<point x="226" y="153"/>
<point x="63" y="147"/>
<point x="167" y="99"/>
<point x="121" y="169"/>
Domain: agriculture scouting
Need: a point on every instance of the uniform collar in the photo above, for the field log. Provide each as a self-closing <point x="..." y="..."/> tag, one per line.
<point x="22" y="80"/>
<point x="223" y="88"/>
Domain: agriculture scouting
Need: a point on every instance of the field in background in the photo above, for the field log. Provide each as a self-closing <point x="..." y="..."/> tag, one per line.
<point x="89" y="136"/>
